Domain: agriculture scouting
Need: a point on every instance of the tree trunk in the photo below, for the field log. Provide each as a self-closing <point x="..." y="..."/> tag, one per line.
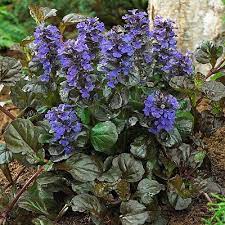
<point x="196" y="20"/>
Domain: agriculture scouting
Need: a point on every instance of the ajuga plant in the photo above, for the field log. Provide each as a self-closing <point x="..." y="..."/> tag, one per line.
<point x="107" y="118"/>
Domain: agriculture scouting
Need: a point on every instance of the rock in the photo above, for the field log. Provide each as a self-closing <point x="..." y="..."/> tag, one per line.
<point x="196" y="20"/>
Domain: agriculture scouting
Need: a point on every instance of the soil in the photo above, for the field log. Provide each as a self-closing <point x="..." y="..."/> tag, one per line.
<point x="216" y="152"/>
<point x="193" y="216"/>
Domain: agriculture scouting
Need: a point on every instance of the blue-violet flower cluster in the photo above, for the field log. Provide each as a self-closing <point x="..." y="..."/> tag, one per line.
<point x="165" y="52"/>
<point x="47" y="42"/>
<point x="78" y="56"/>
<point x="161" y="109"/>
<point x="122" y="44"/>
<point x="65" y="125"/>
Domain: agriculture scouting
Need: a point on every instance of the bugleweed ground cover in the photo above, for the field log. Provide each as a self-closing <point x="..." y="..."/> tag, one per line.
<point x="109" y="120"/>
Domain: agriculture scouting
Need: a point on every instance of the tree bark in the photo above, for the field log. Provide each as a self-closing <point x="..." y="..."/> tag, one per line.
<point x="196" y="20"/>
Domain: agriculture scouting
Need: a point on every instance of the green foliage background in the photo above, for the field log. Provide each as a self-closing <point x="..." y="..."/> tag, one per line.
<point x="16" y="23"/>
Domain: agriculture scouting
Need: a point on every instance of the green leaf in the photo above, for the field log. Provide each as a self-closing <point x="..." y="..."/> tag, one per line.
<point x="169" y="139"/>
<point x="21" y="136"/>
<point x="10" y="71"/>
<point x="5" y="155"/>
<point x="40" y="14"/>
<point x="208" y="52"/>
<point x="42" y="220"/>
<point x="51" y="182"/>
<point x="73" y="18"/>
<point x="178" y="202"/>
<point x="214" y="90"/>
<point x="103" y="136"/>
<point x="184" y="123"/>
<point x="181" y="154"/>
<point x="139" y="147"/>
<point x="38" y="201"/>
<point x="199" y="157"/>
<point x="45" y="138"/>
<point x="142" y="147"/>
<point x="82" y="188"/>
<point x="86" y="203"/>
<point x="116" y="101"/>
<point x="82" y="167"/>
<point x="111" y="176"/>
<point x="147" y="189"/>
<point x="181" y="83"/>
<point x="131" y="168"/>
<point x="119" y="99"/>
<point x="133" y="213"/>
<point x="84" y="115"/>
<point x="216" y="76"/>
<point x="57" y="153"/>
<point x="21" y="98"/>
<point x="101" y="112"/>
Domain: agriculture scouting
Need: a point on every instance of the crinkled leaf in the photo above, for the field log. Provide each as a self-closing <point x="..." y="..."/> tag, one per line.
<point x="208" y="52"/>
<point x="73" y="18"/>
<point x="119" y="99"/>
<point x="178" y="185"/>
<point x="181" y="154"/>
<point x="103" y="136"/>
<point x="42" y="220"/>
<point x="133" y="213"/>
<point x="5" y="154"/>
<point x="82" y="167"/>
<point x="131" y="168"/>
<point x="101" y="112"/>
<point x="147" y="189"/>
<point x="199" y="157"/>
<point x="10" y="71"/>
<point x="122" y="188"/>
<point x="112" y="175"/>
<point x="120" y="124"/>
<point x="116" y="101"/>
<point x="214" y="90"/>
<point x="178" y="202"/>
<point x="21" y="136"/>
<point x="51" y="182"/>
<point x="169" y="139"/>
<point x="40" y="14"/>
<point x="139" y="147"/>
<point x="38" y="201"/>
<point x="84" y="115"/>
<point x="81" y="188"/>
<point x="57" y="153"/>
<point x="21" y="98"/>
<point x="86" y="203"/>
<point x="181" y="83"/>
<point x="184" y="123"/>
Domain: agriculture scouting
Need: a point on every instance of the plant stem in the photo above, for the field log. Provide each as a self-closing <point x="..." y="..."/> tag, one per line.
<point x="206" y="196"/>
<point x="216" y="69"/>
<point x="16" y="178"/>
<point x="6" y="112"/>
<point x="8" y="209"/>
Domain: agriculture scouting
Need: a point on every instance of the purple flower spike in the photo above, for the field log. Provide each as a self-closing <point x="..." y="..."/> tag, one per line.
<point x="162" y="111"/>
<point x="65" y="125"/>
<point x="47" y="42"/>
